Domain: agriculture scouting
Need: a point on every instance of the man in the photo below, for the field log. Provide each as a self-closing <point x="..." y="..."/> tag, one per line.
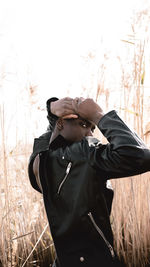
<point x="71" y="169"/>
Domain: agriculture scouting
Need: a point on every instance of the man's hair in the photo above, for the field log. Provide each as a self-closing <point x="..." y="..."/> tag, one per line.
<point x="52" y="123"/>
<point x="51" y="117"/>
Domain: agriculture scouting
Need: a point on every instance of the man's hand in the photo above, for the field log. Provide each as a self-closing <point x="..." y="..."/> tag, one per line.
<point x="63" y="108"/>
<point x="88" y="109"/>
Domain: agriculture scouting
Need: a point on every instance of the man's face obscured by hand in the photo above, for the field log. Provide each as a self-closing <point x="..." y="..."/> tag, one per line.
<point x="75" y="130"/>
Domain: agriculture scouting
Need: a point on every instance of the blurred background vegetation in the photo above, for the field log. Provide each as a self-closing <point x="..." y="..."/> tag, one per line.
<point x="102" y="53"/>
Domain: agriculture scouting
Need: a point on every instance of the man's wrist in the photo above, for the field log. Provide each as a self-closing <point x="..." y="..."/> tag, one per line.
<point x="98" y="117"/>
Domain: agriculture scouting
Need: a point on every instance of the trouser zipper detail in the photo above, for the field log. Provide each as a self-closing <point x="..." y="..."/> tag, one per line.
<point x="63" y="181"/>
<point x="101" y="234"/>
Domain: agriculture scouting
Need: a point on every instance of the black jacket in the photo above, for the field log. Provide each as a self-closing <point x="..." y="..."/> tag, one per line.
<point x="77" y="200"/>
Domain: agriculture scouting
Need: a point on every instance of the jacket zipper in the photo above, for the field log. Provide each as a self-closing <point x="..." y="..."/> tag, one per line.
<point x="63" y="181"/>
<point x="102" y="235"/>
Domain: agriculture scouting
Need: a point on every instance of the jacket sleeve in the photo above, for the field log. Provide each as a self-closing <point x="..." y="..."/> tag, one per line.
<point x="124" y="155"/>
<point x="50" y="116"/>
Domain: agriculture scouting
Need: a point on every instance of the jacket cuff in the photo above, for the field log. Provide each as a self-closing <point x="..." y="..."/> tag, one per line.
<point x="48" y="103"/>
<point x="50" y="116"/>
<point x="106" y="117"/>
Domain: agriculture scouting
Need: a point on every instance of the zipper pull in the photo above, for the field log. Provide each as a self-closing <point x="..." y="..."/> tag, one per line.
<point x="112" y="251"/>
<point x="68" y="167"/>
<point x="66" y="174"/>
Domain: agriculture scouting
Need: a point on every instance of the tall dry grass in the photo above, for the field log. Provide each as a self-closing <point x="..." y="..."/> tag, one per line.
<point x="131" y="219"/>
<point x="130" y="216"/>
<point x="25" y="239"/>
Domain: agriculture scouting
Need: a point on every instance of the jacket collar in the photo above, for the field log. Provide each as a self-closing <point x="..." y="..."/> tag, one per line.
<point x="59" y="141"/>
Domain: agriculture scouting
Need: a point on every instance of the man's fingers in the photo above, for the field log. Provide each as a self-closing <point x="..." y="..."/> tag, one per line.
<point x="70" y="105"/>
<point x="76" y="102"/>
<point x="66" y="106"/>
<point x="67" y="98"/>
<point x="70" y="116"/>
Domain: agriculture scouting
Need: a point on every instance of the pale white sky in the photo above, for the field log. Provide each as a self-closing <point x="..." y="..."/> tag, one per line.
<point x="48" y="37"/>
<point x="46" y="43"/>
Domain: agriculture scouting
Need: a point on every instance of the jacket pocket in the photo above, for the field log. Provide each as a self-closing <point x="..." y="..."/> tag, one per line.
<point x="65" y="177"/>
